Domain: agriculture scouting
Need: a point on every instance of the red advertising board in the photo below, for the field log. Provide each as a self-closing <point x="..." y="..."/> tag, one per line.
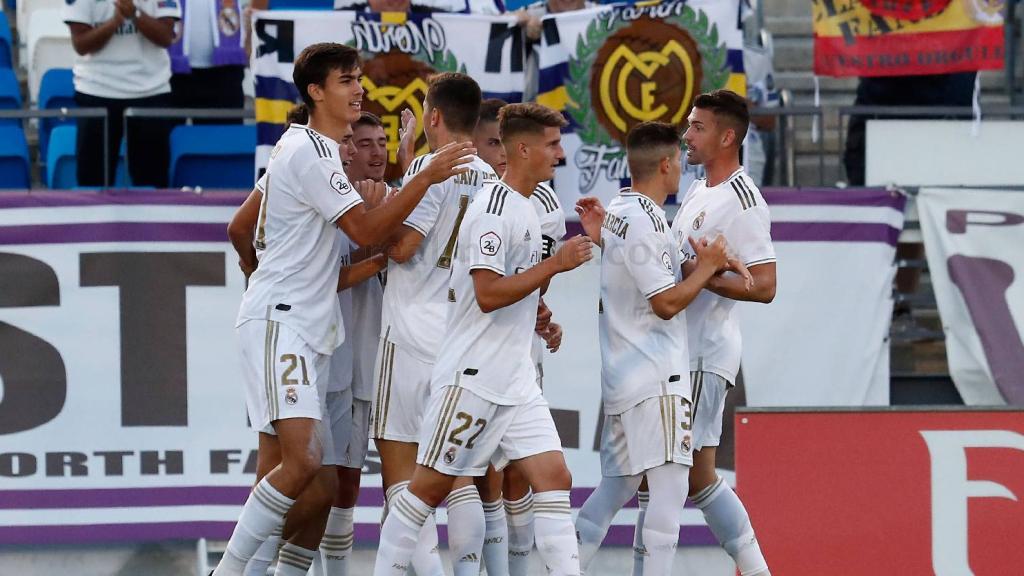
<point x="888" y="491"/>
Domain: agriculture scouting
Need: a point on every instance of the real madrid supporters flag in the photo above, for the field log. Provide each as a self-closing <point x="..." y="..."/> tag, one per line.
<point x="399" y="52"/>
<point x="907" y="37"/>
<point x="612" y="67"/>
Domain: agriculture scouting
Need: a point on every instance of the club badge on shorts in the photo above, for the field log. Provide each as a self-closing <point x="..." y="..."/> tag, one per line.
<point x="291" y="396"/>
<point x="449" y="456"/>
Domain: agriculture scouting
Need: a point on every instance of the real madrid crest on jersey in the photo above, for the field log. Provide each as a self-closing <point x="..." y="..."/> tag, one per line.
<point x="698" y="221"/>
<point x="666" y="260"/>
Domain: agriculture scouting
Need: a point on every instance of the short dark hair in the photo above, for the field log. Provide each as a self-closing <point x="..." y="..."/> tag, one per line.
<point x="728" y="106"/>
<point x="299" y="114"/>
<point x="528" y="118"/>
<point x="489" y="109"/>
<point x="368" y="119"/>
<point x="647" y="143"/>
<point x="458" y="97"/>
<point x="317" y="61"/>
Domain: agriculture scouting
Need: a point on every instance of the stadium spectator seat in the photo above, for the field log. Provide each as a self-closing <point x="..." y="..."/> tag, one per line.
<point x="213" y="156"/>
<point x="23" y="12"/>
<point x="49" y="46"/>
<point x="301" y="4"/>
<point x="56" y="91"/>
<point x="14" y="166"/>
<point x="10" y="95"/>
<point x="6" y="42"/>
<point x="61" y="164"/>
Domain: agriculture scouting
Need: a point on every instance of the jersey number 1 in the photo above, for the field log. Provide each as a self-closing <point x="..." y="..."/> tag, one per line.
<point x="445" y="261"/>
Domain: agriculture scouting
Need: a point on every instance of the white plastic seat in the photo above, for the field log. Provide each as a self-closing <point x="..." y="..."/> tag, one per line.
<point x="25" y="8"/>
<point x="49" y="46"/>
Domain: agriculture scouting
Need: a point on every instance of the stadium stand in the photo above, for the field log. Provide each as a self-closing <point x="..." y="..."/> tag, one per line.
<point x="49" y="46"/>
<point x="301" y="4"/>
<point x="56" y="91"/>
<point x="10" y="93"/>
<point x="213" y="156"/>
<point x="61" y="162"/>
<point x="6" y="42"/>
<point x="14" y="164"/>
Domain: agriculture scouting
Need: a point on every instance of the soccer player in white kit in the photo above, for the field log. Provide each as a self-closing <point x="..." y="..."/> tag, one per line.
<point x="507" y="500"/>
<point x="289" y="322"/>
<point x="484" y="400"/>
<point x="415" y="310"/>
<point x="645" y="384"/>
<point x="725" y="203"/>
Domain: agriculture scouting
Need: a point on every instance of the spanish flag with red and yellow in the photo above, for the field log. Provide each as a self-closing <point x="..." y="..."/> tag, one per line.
<point x="907" y="37"/>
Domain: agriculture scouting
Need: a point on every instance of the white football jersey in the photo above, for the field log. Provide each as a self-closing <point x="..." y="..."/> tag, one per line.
<point x="552" y="228"/>
<point x="342" y="359"/>
<point x="367" y="302"/>
<point x="736" y="210"/>
<point x="415" y="300"/>
<point x="489" y="354"/>
<point x="640" y="352"/>
<point x="305" y="193"/>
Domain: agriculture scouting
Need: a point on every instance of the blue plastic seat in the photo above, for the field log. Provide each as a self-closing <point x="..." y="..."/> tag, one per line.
<point x="10" y="95"/>
<point x="14" y="165"/>
<point x="301" y="4"/>
<point x="61" y="162"/>
<point x="5" y="42"/>
<point x="56" y="91"/>
<point x="213" y="156"/>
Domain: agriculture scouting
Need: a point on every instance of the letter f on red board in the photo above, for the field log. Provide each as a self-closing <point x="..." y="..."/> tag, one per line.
<point x="951" y="491"/>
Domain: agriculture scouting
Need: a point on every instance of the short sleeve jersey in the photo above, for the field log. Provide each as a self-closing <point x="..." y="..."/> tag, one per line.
<point x="489" y="353"/>
<point x="342" y="368"/>
<point x="305" y="193"/>
<point x="552" y="229"/>
<point x="736" y="210"/>
<point x="416" y="297"/>
<point x="642" y="356"/>
<point x="129" y="65"/>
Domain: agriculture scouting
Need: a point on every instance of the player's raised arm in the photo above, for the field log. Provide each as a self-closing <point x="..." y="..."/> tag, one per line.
<point x="591" y="214"/>
<point x="711" y="259"/>
<point x="373" y="226"/>
<point x="494" y="291"/>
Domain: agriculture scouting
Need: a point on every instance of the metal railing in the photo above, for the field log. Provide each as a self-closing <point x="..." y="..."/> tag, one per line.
<point x="788" y="148"/>
<point x="66" y="114"/>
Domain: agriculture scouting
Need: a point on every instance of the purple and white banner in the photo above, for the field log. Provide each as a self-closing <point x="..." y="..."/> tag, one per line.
<point x="823" y="341"/>
<point x="121" y="403"/>
<point x="973" y="240"/>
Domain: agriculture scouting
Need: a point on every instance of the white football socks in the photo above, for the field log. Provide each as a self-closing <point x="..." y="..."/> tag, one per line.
<point x="336" y="545"/>
<point x="553" y="527"/>
<point x="465" y="530"/>
<point x="730" y="523"/>
<point x="495" y="539"/>
<point x="520" y="534"/>
<point x="262" y="514"/>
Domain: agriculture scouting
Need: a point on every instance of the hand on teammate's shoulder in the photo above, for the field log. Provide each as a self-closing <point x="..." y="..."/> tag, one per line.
<point x="448" y="161"/>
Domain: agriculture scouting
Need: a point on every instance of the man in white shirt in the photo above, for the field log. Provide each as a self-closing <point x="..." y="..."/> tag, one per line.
<point x="507" y="500"/>
<point x="289" y="322"/>
<point x="485" y="403"/>
<point x="645" y="384"/>
<point x="416" y="301"/>
<point x="122" y="63"/>
<point x="725" y="203"/>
